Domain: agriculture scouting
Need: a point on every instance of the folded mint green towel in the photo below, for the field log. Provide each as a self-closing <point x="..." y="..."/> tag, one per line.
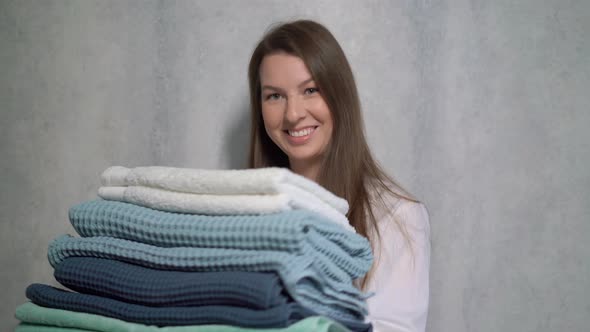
<point x="35" y="318"/>
<point x="46" y="328"/>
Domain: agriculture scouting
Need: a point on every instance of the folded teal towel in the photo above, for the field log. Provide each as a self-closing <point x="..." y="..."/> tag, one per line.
<point x="35" y="318"/>
<point x="312" y="280"/>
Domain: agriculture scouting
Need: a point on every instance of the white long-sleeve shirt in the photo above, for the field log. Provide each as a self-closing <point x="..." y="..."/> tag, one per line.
<point x="401" y="277"/>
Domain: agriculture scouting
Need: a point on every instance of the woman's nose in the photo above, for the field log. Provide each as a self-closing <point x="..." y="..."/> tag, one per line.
<point x="295" y="109"/>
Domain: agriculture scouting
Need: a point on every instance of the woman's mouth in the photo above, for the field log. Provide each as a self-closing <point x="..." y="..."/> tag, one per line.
<point x="300" y="136"/>
<point x="302" y="132"/>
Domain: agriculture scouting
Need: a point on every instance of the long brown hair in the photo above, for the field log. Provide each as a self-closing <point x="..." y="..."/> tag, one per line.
<point x="348" y="170"/>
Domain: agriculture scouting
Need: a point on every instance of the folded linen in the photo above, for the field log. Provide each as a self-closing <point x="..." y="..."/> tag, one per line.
<point x="140" y="285"/>
<point x="174" y="201"/>
<point x="260" y="181"/>
<point x="36" y="318"/>
<point x="279" y="316"/>
<point x="291" y="231"/>
<point x="312" y="280"/>
<point x="24" y="327"/>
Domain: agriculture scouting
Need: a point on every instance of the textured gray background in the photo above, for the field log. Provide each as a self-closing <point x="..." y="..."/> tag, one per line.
<point x="480" y="108"/>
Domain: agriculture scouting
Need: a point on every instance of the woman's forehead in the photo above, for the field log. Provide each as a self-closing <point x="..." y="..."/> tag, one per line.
<point x="283" y="69"/>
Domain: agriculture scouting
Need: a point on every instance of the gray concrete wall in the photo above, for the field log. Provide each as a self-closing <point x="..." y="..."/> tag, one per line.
<point x="480" y="108"/>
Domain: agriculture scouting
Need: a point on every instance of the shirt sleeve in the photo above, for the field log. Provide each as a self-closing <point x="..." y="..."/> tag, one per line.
<point x="401" y="275"/>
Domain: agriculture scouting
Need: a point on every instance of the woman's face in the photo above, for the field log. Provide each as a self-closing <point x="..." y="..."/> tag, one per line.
<point x="296" y="117"/>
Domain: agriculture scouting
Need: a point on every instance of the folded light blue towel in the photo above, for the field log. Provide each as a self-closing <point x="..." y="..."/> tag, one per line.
<point x="312" y="280"/>
<point x="291" y="231"/>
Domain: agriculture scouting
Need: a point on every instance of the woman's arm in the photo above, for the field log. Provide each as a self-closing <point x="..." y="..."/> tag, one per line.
<point x="401" y="277"/>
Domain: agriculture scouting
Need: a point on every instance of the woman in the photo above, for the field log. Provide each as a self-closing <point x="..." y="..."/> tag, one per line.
<point x="306" y="116"/>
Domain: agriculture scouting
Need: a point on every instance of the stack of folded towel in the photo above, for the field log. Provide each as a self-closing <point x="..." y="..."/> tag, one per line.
<point x="204" y="250"/>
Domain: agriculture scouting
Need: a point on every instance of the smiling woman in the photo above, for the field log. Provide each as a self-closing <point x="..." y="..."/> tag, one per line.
<point x="295" y="115"/>
<point x="306" y="116"/>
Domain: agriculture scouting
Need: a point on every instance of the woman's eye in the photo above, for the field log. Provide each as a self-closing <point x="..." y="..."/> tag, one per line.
<point x="309" y="91"/>
<point x="273" y="96"/>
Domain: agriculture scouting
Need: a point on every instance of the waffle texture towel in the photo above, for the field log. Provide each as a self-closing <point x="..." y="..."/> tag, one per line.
<point x="291" y="231"/>
<point x="140" y="285"/>
<point x="261" y="181"/>
<point x="279" y="316"/>
<point x="312" y="280"/>
<point x="36" y="318"/>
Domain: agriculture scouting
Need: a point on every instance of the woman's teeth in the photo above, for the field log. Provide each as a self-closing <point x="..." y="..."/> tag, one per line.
<point x="303" y="132"/>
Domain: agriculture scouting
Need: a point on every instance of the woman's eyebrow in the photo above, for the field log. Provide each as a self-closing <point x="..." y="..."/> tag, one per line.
<point x="270" y="87"/>
<point x="305" y="82"/>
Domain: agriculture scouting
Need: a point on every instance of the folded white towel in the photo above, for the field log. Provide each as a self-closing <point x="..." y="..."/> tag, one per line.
<point x="272" y="180"/>
<point x="173" y="201"/>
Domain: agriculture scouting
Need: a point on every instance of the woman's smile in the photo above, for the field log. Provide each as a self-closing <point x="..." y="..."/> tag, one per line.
<point x="300" y="136"/>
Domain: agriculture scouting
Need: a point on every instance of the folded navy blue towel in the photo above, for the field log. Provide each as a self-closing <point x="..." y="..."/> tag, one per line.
<point x="311" y="281"/>
<point x="142" y="285"/>
<point x="279" y="316"/>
